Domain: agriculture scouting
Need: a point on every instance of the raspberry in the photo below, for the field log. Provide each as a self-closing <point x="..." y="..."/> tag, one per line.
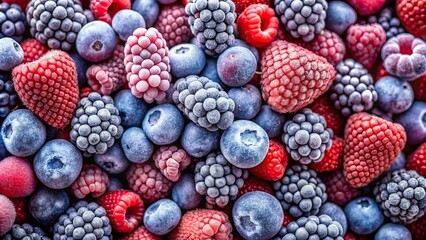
<point x="240" y="5"/>
<point x="48" y="87"/>
<point x="388" y="21"/>
<point x="338" y="190"/>
<point x="333" y="118"/>
<point x="13" y="21"/>
<point x="105" y="10"/>
<point x="84" y="92"/>
<point x="108" y="76"/>
<point x="147" y="64"/>
<point x="203" y="224"/>
<point x="171" y="161"/>
<point x="124" y="209"/>
<point x="141" y="233"/>
<point x="364" y="42"/>
<point x="381" y="72"/>
<point x="92" y="180"/>
<point x="273" y="166"/>
<point x="257" y="25"/>
<point x="252" y="184"/>
<point x="329" y="45"/>
<point x="418" y="228"/>
<point x="147" y="181"/>
<point x="17" y="185"/>
<point x="8" y="214"/>
<point x="419" y="88"/>
<point x="21" y="208"/>
<point x="33" y="50"/>
<point x="172" y="23"/>
<point x="417" y="160"/>
<point x="333" y="158"/>
<point x="367" y="7"/>
<point x="412" y="14"/>
<point x="371" y="146"/>
<point x="25" y="231"/>
<point x="284" y="63"/>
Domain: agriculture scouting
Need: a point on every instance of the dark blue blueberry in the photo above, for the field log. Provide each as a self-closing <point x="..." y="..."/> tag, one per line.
<point x="340" y="16"/>
<point x="395" y="95"/>
<point x="114" y="184"/>
<point x="210" y="71"/>
<point x="46" y="205"/>
<point x="336" y="213"/>
<point x="149" y="9"/>
<point x="399" y="162"/>
<point x="23" y="133"/>
<point x="392" y="231"/>
<point x="414" y="123"/>
<point x="257" y="215"/>
<point x="162" y="216"/>
<point x="113" y="161"/>
<point x="3" y="151"/>
<point x="126" y="21"/>
<point x="247" y="101"/>
<point x="131" y="109"/>
<point x="198" y="141"/>
<point x="58" y="164"/>
<point x="11" y="54"/>
<point x="81" y="66"/>
<point x="271" y="121"/>
<point x="184" y="193"/>
<point x="136" y="146"/>
<point x="236" y="66"/>
<point x="186" y="59"/>
<point x="364" y="215"/>
<point x="241" y="43"/>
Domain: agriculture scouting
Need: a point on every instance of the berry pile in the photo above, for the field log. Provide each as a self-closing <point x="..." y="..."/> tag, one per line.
<point x="212" y="119"/>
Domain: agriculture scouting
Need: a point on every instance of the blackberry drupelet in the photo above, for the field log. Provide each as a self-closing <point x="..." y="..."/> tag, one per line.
<point x="9" y="99"/>
<point x="401" y="195"/>
<point x="96" y="124"/>
<point x="389" y="21"/>
<point x="25" y="232"/>
<point x="313" y="227"/>
<point x="353" y="89"/>
<point x="300" y="191"/>
<point x="56" y="23"/>
<point x="12" y="21"/>
<point x="306" y="136"/>
<point x="218" y="180"/>
<point x="212" y="22"/>
<point x="204" y="102"/>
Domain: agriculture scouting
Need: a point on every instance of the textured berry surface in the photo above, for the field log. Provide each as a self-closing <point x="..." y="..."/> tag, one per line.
<point x="21" y="209"/>
<point x="8" y="214"/>
<point x="9" y="99"/>
<point x="25" y="231"/>
<point x="305" y="227"/>
<point x="388" y="21"/>
<point x="329" y="45"/>
<point x="419" y="88"/>
<point x="240" y="5"/>
<point x="338" y="190"/>
<point x="252" y="184"/>
<point x="367" y="7"/>
<point x="333" y="157"/>
<point x="413" y="16"/>
<point x="17" y="185"/>
<point x="324" y="107"/>
<point x="417" y="160"/>
<point x="172" y="23"/>
<point x="91" y="181"/>
<point x="13" y="21"/>
<point x="139" y="234"/>
<point x="272" y="168"/>
<point x="105" y="10"/>
<point x="33" y="50"/>
<point x="171" y="161"/>
<point x="418" y="228"/>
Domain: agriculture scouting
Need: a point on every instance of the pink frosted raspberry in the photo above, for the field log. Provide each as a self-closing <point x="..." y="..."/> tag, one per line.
<point x="108" y="76"/>
<point x="171" y="161"/>
<point x="338" y="190"/>
<point x="92" y="180"/>
<point x="147" y="64"/>
<point x="172" y="22"/>
<point x="328" y="45"/>
<point x="147" y="181"/>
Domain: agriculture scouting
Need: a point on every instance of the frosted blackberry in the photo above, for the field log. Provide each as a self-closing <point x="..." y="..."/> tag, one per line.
<point x="218" y="180"/>
<point x="55" y="23"/>
<point x="83" y="221"/>
<point x="306" y="136"/>
<point x="388" y="20"/>
<point x="353" y="89"/>
<point x="401" y="195"/>
<point x="25" y="232"/>
<point x="96" y="124"/>
<point x="300" y="191"/>
<point x="302" y="18"/>
<point x="313" y="227"/>
<point x="212" y="23"/>
<point x="9" y="99"/>
<point x="12" y="21"/>
<point x="204" y="102"/>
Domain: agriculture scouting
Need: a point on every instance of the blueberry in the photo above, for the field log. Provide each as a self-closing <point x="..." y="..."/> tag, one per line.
<point x="136" y="146"/>
<point x="340" y="16"/>
<point x="236" y="66"/>
<point x="271" y="121"/>
<point x="114" y="184"/>
<point x="3" y="151"/>
<point x="247" y="101"/>
<point x="96" y="41"/>
<point x="162" y="216"/>
<point x="149" y="9"/>
<point x="336" y="213"/>
<point x="81" y="66"/>
<point x="125" y="22"/>
<point x="363" y="215"/>
<point x="163" y="124"/>
<point x="399" y="162"/>
<point x="395" y="95"/>
<point x="58" y="164"/>
<point x="198" y="141"/>
<point x="210" y="71"/>
<point x="113" y="161"/>
<point x="186" y="59"/>
<point x="392" y="231"/>
<point x="23" y="133"/>
<point x="131" y="109"/>
<point x="414" y="123"/>
<point x="241" y="43"/>
<point x="244" y="144"/>
<point x="184" y="193"/>
<point x="11" y="54"/>
<point x="257" y="215"/>
<point x="46" y="205"/>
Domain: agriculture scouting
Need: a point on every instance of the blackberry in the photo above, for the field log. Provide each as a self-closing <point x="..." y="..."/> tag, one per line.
<point x="300" y="191"/>
<point x="204" y="102"/>
<point x="56" y="23"/>
<point x="313" y="227"/>
<point x="9" y="99"/>
<point x="302" y="18"/>
<point x="25" y="232"/>
<point x="96" y="124"/>
<point x="306" y="136"/>
<point x="401" y="195"/>
<point x="212" y="23"/>
<point x="218" y="180"/>
<point x="83" y="221"/>
<point x="353" y="89"/>
<point x="12" y="21"/>
<point x="388" y="20"/>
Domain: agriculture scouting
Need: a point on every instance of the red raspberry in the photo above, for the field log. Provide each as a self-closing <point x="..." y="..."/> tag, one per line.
<point x="371" y="146"/>
<point x="417" y="160"/>
<point x="141" y="233"/>
<point x="418" y="229"/>
<point x="412" y="14"/>
<point x="172" y="23"/>
<point x="203" y="224"/>
<point x="365" y="42"/>
<point x="84" y="92"/>
<point x="92" y="180"/>
<point x="419" y="88"/>
<point x="381" y="72"/>
<point x="287" y="219"/>
<point x="333" y="158"/>
<point x="21" y="208"/>
<point x="353" y="236"/>
<point x="105" y="10"/>
<point x="272" y="168"/>
<point x="17" y="185"/>
<point x="124" y="209"/>
<point x="48" y="87"/>
<point x="7" y="216"/>
<point x="147" y="181"/>
<point x="293" y="77"/>
<point x="329" y="45"/>
<point x="338" y="190"/>
<point x="33" y="50"/>
<point x="252" y="184"/>
<point x="325" y="108"/>
<point x="257" y="25"/>
<point x="367" y="7"/>
<point x="171" y="161"/>
<point x="240" y="5"/>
